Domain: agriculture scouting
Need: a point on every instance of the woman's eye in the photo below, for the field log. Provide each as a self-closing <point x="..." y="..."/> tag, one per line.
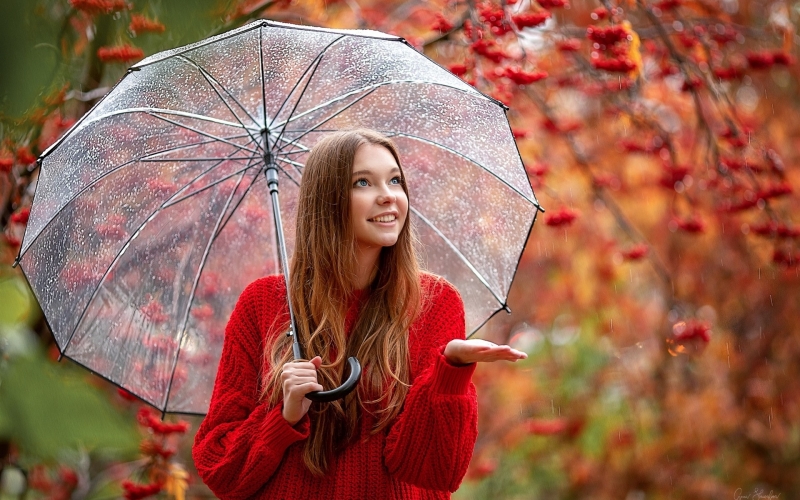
<point x="396" y="180"/>
<point x="361" y="183"/>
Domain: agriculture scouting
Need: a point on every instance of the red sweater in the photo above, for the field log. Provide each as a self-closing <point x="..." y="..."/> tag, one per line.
<point x="246" y="449"/>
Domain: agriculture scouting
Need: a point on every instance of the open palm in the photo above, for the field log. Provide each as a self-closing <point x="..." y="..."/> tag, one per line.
<point x="464" y="352"/>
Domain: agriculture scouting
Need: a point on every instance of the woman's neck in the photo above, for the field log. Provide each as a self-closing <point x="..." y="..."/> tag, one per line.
<point x="366" y="266"/>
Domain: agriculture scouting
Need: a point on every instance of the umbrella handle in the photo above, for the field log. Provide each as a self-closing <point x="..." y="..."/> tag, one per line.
<point x="344" y="389"/>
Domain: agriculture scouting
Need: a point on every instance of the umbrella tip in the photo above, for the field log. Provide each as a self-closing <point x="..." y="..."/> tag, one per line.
<point x="506" y="308"/>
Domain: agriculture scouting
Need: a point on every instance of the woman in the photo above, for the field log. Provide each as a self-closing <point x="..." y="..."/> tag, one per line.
<point x="408" y="430"/>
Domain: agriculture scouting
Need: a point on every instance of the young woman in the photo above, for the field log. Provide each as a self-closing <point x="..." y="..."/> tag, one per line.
<point x="408" y="430"/>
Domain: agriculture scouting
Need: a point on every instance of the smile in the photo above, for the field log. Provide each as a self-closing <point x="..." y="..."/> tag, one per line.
<point x="383" y="218"/>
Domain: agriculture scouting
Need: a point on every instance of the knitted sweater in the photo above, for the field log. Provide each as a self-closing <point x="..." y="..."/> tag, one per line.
<point x="246" y="449"/>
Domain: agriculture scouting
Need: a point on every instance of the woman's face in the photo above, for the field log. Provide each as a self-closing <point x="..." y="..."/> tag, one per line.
<point x="378" y="204"/>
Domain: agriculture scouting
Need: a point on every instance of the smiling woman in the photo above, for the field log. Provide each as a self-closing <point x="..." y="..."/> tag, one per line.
<point x="356" y="289"/>
<point x="378" y="205"/>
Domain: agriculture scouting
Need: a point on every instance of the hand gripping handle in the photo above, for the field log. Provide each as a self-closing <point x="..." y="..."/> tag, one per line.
<point x="344" y="389"/>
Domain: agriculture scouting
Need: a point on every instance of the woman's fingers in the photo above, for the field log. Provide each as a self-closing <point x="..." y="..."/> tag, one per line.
<point x="477" y="350"/>
<point x="298" y="378"/>
<point x="304" y="388"/>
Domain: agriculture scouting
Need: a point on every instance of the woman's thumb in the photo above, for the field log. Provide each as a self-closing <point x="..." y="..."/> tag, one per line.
<point x="316" y="361"/>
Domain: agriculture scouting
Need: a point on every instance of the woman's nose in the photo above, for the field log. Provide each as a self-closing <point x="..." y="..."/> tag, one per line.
<point x="386" y="197"/>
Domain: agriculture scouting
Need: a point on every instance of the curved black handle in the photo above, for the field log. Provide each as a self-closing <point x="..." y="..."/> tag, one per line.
<point x="344" y="389"/>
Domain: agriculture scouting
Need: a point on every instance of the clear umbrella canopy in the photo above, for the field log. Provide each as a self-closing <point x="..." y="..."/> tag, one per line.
<point x="152" y="213"/>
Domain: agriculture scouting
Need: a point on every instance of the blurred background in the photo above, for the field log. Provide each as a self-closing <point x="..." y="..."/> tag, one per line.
<point x="657" y="297"/>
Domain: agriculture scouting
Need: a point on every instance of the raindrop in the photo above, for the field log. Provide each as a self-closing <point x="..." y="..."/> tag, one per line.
<point x="770" y="300"/>
<point x="728" y="349"/>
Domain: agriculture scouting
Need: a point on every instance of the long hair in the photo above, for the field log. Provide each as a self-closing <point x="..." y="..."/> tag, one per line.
<point x="323" y="271"/>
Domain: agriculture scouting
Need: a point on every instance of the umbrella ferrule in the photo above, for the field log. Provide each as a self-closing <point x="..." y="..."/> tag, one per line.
<point x="272" y="177"/>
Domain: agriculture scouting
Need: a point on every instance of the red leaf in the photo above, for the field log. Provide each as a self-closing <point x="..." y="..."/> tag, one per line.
<point x="606" y="35"/>
<point x="691" y="330"/>
<point x="141" y="24"/>
<point x="25" y="157"/>
<point x="6" y="164"/>
<point x="614" y="65"/>
<point x="547" y="427"/>
<point x="692" y="224"/>
<point x="120" y="53"/>
<point x="569" y="45"/>
<point x="458" y="69"/>
<point x="530" y="19"/>
<point x="21" y="216"/>
<point x="553" y="4"/>
<point x="635" y="252"/>
<point x="138" y="491"/>
<point x="489" y="49"/>
<point x="562" y="217"/>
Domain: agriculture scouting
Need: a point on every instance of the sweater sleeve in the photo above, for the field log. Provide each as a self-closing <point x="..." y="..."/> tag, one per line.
<point x="241" y="442"/>
<point x="431" y="442"/>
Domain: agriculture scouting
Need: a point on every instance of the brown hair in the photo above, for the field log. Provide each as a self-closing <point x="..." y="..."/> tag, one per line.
<point x="323" y="271"/>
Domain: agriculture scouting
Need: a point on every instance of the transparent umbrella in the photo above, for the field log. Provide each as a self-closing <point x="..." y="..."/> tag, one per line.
<point x="152" y="213"/>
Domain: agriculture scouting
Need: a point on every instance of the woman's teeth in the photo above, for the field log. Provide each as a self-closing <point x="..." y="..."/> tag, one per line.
<point x="384" y="218"/>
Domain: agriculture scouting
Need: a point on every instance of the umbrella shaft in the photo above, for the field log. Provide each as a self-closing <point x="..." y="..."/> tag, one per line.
<point x="272" y="182"/>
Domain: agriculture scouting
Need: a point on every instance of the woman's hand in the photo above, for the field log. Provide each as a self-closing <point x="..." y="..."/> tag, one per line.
<point x="298" y="379"/>
<point x="464" y="352"/>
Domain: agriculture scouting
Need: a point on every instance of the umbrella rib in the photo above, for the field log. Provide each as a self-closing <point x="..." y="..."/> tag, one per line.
<point x="215" y="183"/>
<point x="317" y="60"/>
<point x="293" y="142"/>
<point x="326" y="120"/>
<point x="375" y="87"/>
<point x="165" y="111"/>
<point x="189" y="158"/>
<point x="187" y="146"/>
<point x="94" y="182"/>
<point x="315" y="65"/>
<point x="261" y="75"/>
<point x="453" y="151"/>
<point x="200" y="268"/>
<point x="209" y="79"/>
<point x="296" y="166"/>
<point x="460" y="255"/>
<point x="206" y="134"/>
<point x="241" y="199"/>
<point x="121" y="251"/>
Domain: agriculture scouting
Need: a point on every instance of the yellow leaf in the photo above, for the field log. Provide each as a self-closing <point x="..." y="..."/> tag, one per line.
<point x="177" y="482"/>
<point x="634" y="50"/>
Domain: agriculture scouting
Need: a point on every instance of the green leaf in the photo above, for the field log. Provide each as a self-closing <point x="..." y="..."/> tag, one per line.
<point x="46" y="408"/>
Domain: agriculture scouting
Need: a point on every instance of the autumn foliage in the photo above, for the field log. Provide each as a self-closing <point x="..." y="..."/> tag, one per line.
<point x="658" y="295"/>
